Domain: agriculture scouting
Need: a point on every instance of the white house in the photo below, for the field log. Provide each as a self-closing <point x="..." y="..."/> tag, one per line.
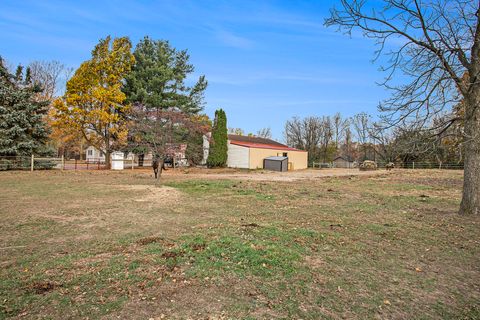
<point x="94" y="155"/>
<point x="173" y="151"/>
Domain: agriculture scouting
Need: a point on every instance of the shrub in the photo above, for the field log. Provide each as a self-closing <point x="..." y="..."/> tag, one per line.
<point x="368" y="165"/>
<point x="217" y="155"/>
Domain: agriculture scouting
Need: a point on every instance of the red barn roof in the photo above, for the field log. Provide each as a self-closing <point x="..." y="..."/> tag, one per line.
<point x="256" y="142"/>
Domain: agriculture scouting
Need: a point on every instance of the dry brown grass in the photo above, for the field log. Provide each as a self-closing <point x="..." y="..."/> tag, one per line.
<point x="235" y="244"/>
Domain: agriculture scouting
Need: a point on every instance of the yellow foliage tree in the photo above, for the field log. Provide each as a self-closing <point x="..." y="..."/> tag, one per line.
<point x="66" y="140"/>
<point x="94" y="103"/>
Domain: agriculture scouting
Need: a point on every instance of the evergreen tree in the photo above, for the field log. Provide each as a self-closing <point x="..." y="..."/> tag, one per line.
<point x="157" y="80"/>
<point x="165" y="109"/>
<point x="217" y="156"/>
<point x="19" y="73"/>
<point x="23" y="130"/>
<point x="28" y="76"/>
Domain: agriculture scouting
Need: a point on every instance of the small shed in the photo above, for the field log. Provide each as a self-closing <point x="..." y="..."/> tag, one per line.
<point x="343" y="162"/>
<point x="276" y="163"/>
<point x="118" y="160"/>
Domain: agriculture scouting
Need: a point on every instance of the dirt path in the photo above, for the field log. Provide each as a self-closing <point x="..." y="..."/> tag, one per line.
<point x="262" y="175"/>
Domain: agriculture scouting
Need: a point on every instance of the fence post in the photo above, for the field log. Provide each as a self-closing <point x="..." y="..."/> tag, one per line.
<point x="75" y="163"/>
<point x="413" y="167"/>
<point x="63" y="162"/>
<point x="31" y="163"/>
<point x="133" y="162"/>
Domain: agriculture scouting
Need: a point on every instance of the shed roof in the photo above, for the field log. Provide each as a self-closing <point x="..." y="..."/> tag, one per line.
<point x="276" y="158"/>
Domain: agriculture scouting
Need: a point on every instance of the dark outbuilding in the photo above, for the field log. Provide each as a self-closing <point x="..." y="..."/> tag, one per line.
<point x="276" y="163"/>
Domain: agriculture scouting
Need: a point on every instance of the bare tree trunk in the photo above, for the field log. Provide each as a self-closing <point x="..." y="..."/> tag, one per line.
<point x="108" y="152"/>
<point x="471" y="181"/>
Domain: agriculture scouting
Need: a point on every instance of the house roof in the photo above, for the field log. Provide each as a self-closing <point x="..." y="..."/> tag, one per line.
<point x="345" y="158"/>
<point x="256" y="142"/>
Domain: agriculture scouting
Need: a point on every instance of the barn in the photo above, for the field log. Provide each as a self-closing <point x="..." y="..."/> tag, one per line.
<point x="249" y="152"/>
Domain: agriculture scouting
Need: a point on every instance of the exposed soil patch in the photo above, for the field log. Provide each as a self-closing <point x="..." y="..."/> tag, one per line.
<point x="250" y="225"/>
<point x="153" y="239"/>
<point x="152" y="194"/>
<point x="171" y="254"/>
<point x="263" y="175"/>
<point x="314" y="262"/>
<point x="93" y="259"/>
<point x="42" y="287"/>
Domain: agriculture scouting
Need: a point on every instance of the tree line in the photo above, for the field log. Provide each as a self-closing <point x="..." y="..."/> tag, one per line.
<point x="360" y="138"/>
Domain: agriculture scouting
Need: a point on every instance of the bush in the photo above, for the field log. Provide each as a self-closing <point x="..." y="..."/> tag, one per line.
<point x="368" y="165"/>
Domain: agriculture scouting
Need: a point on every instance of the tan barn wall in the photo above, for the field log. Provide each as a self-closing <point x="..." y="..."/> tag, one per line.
<point x="299" y="159"/>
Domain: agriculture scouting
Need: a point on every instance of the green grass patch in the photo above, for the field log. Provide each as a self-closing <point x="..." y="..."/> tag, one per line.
<point x="261" y="251"/>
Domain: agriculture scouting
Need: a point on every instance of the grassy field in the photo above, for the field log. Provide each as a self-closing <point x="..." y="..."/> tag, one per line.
<point x="113" y="245"/>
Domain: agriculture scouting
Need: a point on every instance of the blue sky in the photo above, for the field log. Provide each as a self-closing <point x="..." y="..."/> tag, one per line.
<point x="265" y="61"/>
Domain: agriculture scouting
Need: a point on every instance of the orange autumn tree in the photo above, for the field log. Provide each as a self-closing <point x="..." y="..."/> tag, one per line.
<point x="94" y="103"/>
<point x="68" y="141"/>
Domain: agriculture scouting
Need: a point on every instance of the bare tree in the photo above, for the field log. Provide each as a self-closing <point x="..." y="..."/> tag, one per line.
<point x="237" y="131"/>
<point x="304" y="134"/>
<point x="385" y="145"/>
<point x="326" y="132"/>
<point x="294" y="135"/>
<point x="339" y="126"/>
<point x="436" y="45"/>
<point x="413" y="144"/>
<point x="347" y="143"/>
<point x="361" y="124"/>
<point x="47" y="74"/>
<point x="265" y="133"/>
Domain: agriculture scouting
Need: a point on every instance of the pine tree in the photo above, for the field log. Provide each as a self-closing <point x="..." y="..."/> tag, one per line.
<point x="28" y="76"/>
<point x="19" y="73"/>
<point x="165" y="108"/>
<point x="23" y="130"/>
<point x="157" y="80"/>
<point x="217" y="155"/>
